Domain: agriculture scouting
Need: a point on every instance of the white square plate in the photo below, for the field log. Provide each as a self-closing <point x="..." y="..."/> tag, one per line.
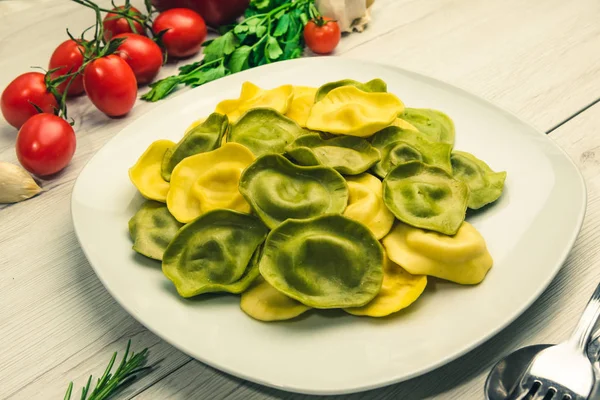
<point x="529" y="233"/>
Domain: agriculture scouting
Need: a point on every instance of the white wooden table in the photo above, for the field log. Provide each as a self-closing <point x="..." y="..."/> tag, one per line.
<point x="537" y="58"/>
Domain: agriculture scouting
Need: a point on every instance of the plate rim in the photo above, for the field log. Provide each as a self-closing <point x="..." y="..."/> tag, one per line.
<point x="559" y="262"/>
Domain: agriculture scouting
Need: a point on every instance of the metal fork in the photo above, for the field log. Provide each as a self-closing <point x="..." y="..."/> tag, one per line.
<point x="564" y="371"/>
<point x="594" y="355"/>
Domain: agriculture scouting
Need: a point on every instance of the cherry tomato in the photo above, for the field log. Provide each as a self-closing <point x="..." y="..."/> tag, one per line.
<point x="69" y="56"/>
<point x="115" y="24"/>
<point x="142" y="54"/>
<point x="16" y="98"/>
<point x="45" y="144"/>
<point x="110" y="84"/>
<point x="322" y="35"/>
<point x="186" y="31"/>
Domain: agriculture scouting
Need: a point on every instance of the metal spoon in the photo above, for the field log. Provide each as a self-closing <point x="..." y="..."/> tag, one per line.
<point x="508" y="372"/>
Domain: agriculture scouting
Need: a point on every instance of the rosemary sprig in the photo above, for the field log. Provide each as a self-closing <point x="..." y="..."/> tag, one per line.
<point x="109" y="384"/>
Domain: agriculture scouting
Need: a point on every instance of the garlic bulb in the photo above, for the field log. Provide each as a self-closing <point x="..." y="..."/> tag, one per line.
<point x="351" y="15"/>
<point x="16" y="184"/>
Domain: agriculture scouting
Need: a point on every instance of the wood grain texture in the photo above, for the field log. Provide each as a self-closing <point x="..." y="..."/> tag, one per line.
<point x="536" y="58"/>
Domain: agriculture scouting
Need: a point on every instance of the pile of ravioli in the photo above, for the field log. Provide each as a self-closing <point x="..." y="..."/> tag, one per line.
<point x="304" y="198"/>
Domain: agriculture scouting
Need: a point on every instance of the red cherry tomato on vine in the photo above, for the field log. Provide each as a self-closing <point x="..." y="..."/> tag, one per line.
<point x="16" y="98"/>
<point x="115" y="24"/>
<point x="69" y="56"/>
<point x="186" y="31"/>
<point x="322" y="35"/>
<point x="142" y="54"/>
<point x="110" y="84"/>
<point x="45" y="144"/>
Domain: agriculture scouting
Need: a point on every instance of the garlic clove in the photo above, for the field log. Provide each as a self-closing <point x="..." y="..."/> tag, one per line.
<point x="16" y="184"/>
<point x="349" y="14"/>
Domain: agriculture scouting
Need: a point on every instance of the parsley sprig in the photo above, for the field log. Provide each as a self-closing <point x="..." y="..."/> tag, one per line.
<point x="271" y="31"/>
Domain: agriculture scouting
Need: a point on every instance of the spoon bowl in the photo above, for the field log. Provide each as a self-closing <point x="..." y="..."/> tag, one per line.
<point x="507" y="372"/>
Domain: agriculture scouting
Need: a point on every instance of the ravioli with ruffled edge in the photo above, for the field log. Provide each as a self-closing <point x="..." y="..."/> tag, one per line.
<point x="398" y="291"/>
<point x="329" y="261"/>
<point x="348" y="110"/>
<point x="303" y="100"/>
<point x="152" y="228"/>
<point x="346" y="154"/>
<point x="264" y="131"/>
<point x="365" y="204"/>
<point x="263" y="302"/>
<point x="209" y="181"/>
<point x="372" y="86"/>
<point x="485" y="185"/>
<point x="462" y="258"/>
<point x="397" y="146"/>
<point x="426" y="197"/>
<point x="251" y="96"/>
<point x="436" y="125"/>
<point x="277" y="190"/>
<point x="217" y="252"/>
<point x="145" y="174"/>
<point x="203" y="137"/>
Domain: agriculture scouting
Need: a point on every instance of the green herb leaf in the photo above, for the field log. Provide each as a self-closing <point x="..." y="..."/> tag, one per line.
<point x="258" y="55"/>
<point x="279" y="14"/>
<point x="260" y="4"/>
<point x="162" y="88"/>
<point x="207" y="42"/>
<point x="213" y="51"/>
<point x="273" y="49"/>
<point x="186" y="69"/>
<point x="304" y="18"/>
<point x="282" y="25"/>
<point x="260" y="31"/>
<point x="239" y="59"/>
<point x="240" y="29"/>
<point x="205" y="75"/>
<point x="230" y="42"/>
<point x="252" y="22"/>
<point x="220" y="47"/>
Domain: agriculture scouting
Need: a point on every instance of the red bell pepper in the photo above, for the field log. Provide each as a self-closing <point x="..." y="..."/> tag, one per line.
<point x="214" y="12"/>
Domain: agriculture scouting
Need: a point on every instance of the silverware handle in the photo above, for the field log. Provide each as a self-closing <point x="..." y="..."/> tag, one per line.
<point x="583" y="331"/>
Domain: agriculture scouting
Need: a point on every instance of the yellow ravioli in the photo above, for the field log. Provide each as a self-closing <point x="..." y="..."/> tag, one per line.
<point x="365" y="204"/>
<point x="209" y="181"/>
<point x="304" y="98"/>
<point x="400" y="123"/>
<point x="265" y="303"/>
<point x="398" y="290"/>
<point x="145" y="173"/>
<point x="252" y="96"/>
<point x="349" y="111"/>
<point x="462" y="258"/>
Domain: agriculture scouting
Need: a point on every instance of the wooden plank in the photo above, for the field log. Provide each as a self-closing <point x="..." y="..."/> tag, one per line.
<point x="61" y="322"/>
<point x="535" y="58"/>
<point x="550" y="319"/>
